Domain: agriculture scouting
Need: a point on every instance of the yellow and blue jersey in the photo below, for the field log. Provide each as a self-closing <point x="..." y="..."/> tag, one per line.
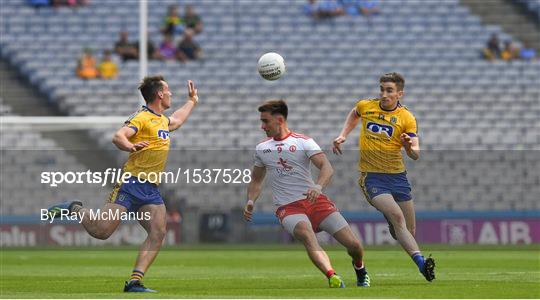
<point x="154" y="129"/>
<point x="380" y="145"/>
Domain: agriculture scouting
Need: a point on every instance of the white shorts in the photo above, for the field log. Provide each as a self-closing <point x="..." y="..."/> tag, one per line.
<point x="331" y="224"/>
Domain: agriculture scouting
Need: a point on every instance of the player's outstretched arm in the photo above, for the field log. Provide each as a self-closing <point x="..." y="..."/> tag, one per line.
<point x="254" y="190"/>
<point x="411" y="145"/>
<point x="121" y="140"/>
<point x="181" y="115"/>
<point x="326" y="171"/>
<point x="350" y="123"/>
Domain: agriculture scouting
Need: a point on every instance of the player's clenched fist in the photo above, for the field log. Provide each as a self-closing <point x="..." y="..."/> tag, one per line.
<point x="248" y="211"/>
<point x="138" y="146"/>
<point x="337" y="144"/>
<point x="406" y="141"/>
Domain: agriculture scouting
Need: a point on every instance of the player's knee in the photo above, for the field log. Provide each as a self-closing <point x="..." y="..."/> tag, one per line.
<point x="302" y="232"/>
<point x="158" y="233"/>
<point x="397" y="219"/>
<point x="102" y="235"/>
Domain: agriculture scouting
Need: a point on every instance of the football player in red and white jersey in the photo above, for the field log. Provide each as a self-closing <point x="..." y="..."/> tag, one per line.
<point x="301" y="207"/>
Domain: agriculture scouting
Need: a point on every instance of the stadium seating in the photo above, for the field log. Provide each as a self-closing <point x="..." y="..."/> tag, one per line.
<point x="463" y="104"/>
<point x="26" y="155"/>
<point x="533" y="6"/>
<point x="5" y="110"/>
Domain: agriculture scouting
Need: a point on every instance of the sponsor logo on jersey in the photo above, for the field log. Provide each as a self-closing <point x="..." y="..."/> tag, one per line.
<point x="267" y="151"/>
<point x="380" y="128"/>
<point x="284" y="164"/>
<point x="163" y="134"/>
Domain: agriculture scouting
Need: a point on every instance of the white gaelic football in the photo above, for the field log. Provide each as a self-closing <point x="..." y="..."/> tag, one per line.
<point x="271" y="66"/>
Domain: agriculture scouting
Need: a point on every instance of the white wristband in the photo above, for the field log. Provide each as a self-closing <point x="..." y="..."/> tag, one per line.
<point x="318" y="186"/>
<point x="249" y="202"/>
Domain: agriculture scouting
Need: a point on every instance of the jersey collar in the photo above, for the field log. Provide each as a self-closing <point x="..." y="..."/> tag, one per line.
<point x="147" y="108"/>
<point x="288" y="135"/>
<point x="397" y="106"/>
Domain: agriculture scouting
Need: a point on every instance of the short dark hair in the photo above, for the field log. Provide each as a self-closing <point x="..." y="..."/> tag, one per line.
<point x="394" y="77"/>
<point x="275" y="107"/>
<point x="149" y="86"/>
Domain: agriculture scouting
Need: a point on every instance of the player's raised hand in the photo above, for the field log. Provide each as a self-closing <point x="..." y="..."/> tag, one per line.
<point x="248" y="211"/>
<point x="337" y="144"/>
<point x="138" y="146"/>
<point x="192" y="92"/>
<point x="406" y="141"/>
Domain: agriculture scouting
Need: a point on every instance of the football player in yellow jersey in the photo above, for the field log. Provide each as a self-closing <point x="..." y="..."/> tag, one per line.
<point x="387" y="126"/>
<point x="145" y="135"/>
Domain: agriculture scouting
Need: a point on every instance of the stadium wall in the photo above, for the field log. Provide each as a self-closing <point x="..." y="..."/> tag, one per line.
<point x="30" y="234"/>
<point x="453" y="228"/>
<point x="467" y="227"/>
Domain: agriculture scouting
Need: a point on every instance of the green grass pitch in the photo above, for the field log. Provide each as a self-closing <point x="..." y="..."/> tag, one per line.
<point x="249" y="271"/>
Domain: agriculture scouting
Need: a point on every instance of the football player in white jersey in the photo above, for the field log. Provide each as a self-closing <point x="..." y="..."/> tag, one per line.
<point x="301" y="207"/>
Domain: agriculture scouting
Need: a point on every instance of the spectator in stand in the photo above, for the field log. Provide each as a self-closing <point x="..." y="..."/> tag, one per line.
<point x="369" y="8"/>
<point x="492" y="50"/>
<point x="330" y="9"/>
<point x="527" y="53"/>
<point x="188" y="49"/>
<point x="172" y="23"/>
<point x="86" y="66"/>
<point x="510" y="52"/>
<point x="151" y="50"/>
<point x="350" y="7"/>
<point x="311" y="9"/>
<point x="39" y="3"/>
<point x="107" y="68"/>
<point x="167" y="50"/>
<point x="124" y="48"/>
<point x="72" y="3"/>
<point x="323" y="10"/>
<point x="193" y="20"/>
